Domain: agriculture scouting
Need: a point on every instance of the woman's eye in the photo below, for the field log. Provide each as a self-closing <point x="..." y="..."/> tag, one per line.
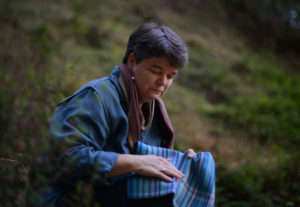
<point x="170" y="77"/>
<point x="154" y="71"/>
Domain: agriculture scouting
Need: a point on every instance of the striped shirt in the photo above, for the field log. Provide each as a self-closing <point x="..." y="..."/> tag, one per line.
<point x="197" y="188"/>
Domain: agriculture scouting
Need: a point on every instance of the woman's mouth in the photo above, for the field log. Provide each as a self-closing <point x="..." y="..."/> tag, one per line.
<point x="156" y="91"/>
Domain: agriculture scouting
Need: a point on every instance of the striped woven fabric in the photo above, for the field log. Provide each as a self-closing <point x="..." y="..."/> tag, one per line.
<point x="197" y="188"/>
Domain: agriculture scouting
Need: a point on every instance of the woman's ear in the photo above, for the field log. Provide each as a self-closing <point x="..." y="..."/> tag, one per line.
<point x="130" y="61"/>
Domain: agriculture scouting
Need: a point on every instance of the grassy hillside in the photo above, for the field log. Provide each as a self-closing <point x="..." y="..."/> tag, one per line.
<point x="237" y="99"/>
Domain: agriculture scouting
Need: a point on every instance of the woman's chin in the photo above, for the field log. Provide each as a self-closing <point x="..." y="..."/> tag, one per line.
<point x="150" y="99"/>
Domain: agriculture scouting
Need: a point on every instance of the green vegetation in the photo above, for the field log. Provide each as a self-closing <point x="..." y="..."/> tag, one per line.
<point x="238" y="98"/>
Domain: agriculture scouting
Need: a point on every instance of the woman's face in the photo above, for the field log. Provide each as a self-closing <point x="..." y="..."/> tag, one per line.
<point x="153" y="76"/>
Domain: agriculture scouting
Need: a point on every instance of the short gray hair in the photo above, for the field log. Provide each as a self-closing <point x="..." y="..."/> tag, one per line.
<point x="151" y="40"/>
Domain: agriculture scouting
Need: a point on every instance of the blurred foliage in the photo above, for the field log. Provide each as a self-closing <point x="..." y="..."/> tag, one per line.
<point x="274" y="24"/>
<point x="251" y="185"/>
<point x="270" y="111"/>
<point x="49" y="49"/>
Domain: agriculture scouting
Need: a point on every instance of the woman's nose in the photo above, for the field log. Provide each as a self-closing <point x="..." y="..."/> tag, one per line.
<point x="162" y="80"/>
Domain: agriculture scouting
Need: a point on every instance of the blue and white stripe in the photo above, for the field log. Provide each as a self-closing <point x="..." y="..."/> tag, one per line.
<point x="197" y="188"/>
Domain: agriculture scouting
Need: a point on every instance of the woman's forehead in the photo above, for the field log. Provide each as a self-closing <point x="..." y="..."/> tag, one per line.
<point x="161" y="63"/>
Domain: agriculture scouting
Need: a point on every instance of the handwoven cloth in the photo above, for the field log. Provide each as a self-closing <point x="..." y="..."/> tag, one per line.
<point x="197" y="188"/>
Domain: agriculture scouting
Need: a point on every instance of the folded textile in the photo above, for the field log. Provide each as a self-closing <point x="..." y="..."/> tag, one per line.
<point x="197" y="188"/>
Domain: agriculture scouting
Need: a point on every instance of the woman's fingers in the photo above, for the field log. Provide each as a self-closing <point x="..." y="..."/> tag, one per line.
<point x="190" y="153"/>
<point x="151" y="165"/>
<point x="164" y="177"/>
<point x="170" y="170"/>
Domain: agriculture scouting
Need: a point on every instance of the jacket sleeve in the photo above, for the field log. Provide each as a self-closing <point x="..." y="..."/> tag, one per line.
<point x="80" y="128"/>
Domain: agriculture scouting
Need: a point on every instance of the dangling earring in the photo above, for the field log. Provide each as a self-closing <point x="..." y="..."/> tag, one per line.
<point x="132" y="75"/>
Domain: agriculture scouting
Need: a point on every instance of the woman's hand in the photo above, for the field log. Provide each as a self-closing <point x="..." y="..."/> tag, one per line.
<point x="190" y="153"/>
<point x="147" y="165"/>
<point x="154" y="166"/>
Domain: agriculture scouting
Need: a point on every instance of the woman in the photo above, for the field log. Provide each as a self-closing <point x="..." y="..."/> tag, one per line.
<point x="96" y="129"/>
